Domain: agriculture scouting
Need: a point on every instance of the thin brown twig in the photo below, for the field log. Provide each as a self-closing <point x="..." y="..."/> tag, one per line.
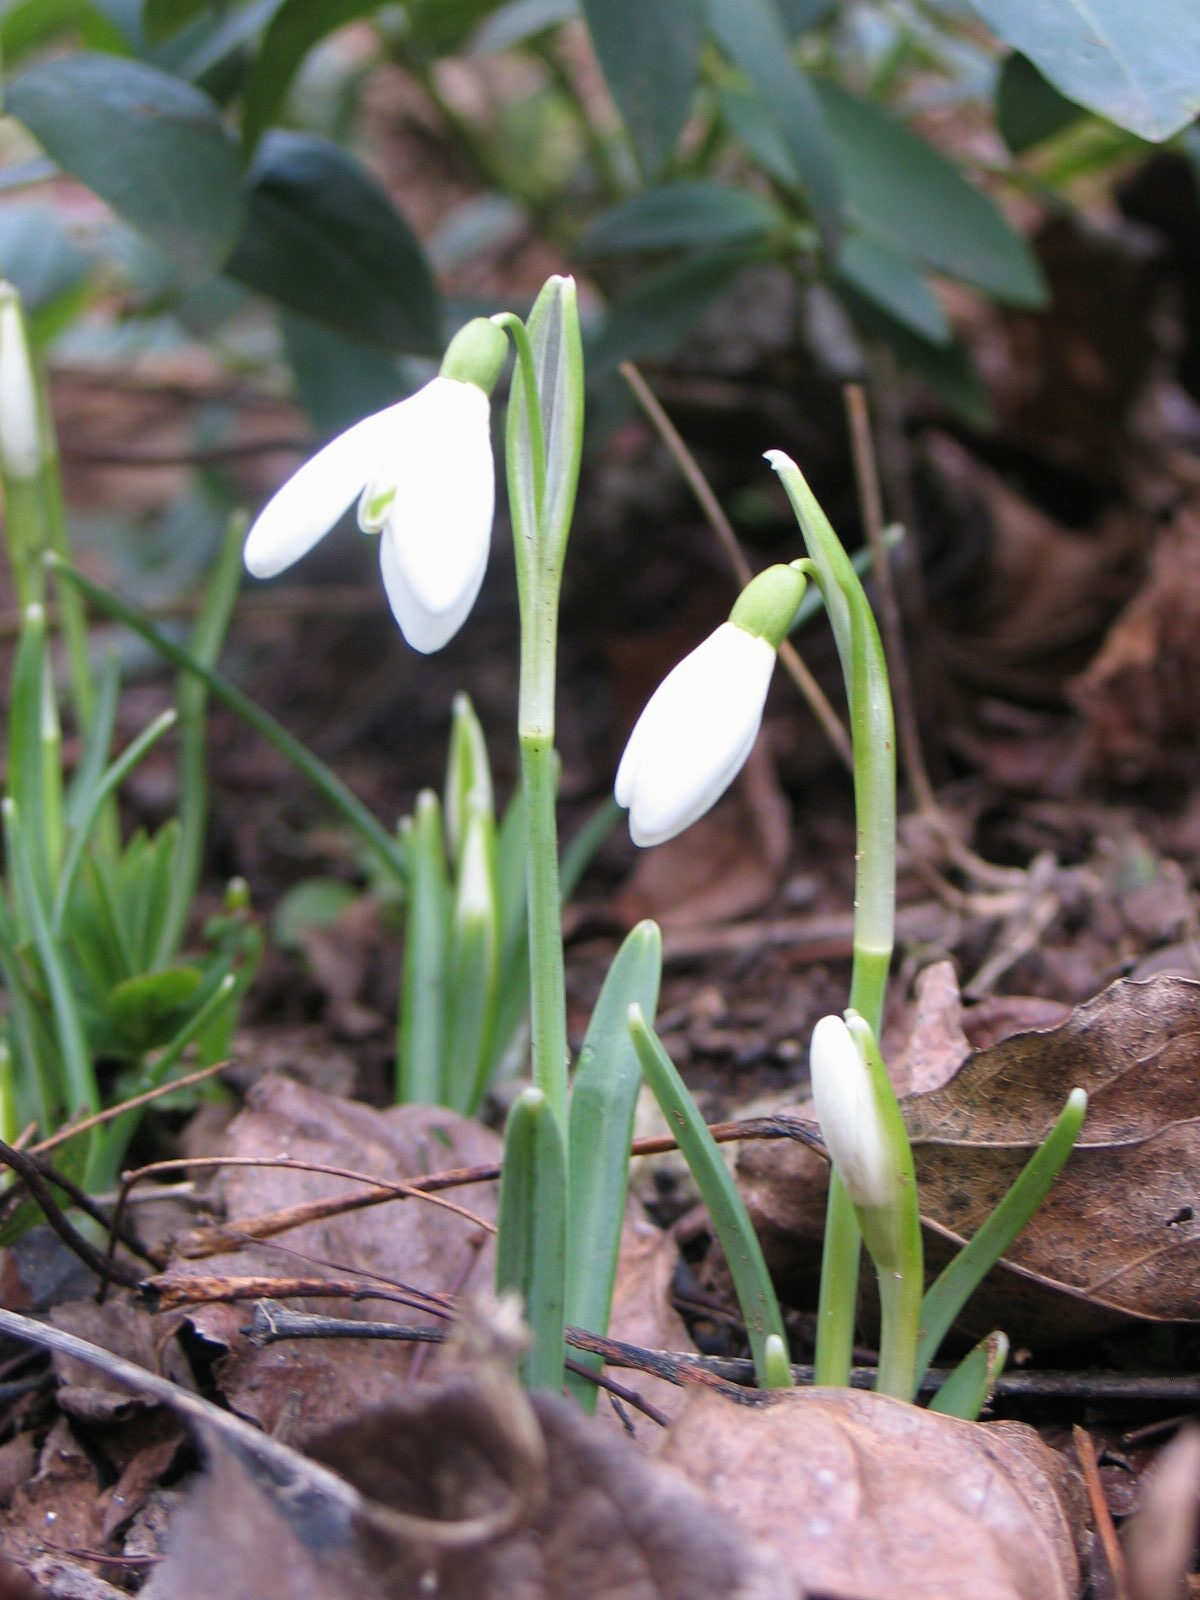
<point x="689" y="468"/>
<point x="1085" y="1453"/>
<point x="212" y="1240"/>
<point x="107" y="1268"/>
<point x="870" y="504"/>
<point x="287" y="1466"/>
<point x="205" y="1241"/>
<point x="72" y="1129"/>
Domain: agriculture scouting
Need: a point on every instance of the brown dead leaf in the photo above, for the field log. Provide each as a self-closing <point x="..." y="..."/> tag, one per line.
<point x="1118" y="1231"/>
<point x="1141" y="692"/>
<point x="310" y="1384"/>
<point x="1116" y="1238"/>
<point x="602" y="1523"/>
<point x="867" y="1498"/>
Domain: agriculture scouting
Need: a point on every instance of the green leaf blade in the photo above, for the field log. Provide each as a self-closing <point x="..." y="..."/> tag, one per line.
<point x="323" y="239"/>
<point x="649" y="51"/>
<point x="149" y="144"/>
<point x="1137" y="65"/>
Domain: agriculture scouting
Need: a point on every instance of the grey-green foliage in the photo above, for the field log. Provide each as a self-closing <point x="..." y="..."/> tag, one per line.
<point x="753" y="130"/>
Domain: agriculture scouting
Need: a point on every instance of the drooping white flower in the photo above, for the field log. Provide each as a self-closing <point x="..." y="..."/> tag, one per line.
<point x="423" y="475"/>
<point x="22" y="444"/>
<point x="700" y="724"/>
<point x="849" y="1113"/>
<point x="690" y="742"/>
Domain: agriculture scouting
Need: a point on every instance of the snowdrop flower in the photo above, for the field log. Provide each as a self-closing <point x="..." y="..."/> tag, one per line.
<point x="423" y="475"/>
<point x="691" y="740"/>
<point x="22" y="440"/>
<point x="849" y="1113"/>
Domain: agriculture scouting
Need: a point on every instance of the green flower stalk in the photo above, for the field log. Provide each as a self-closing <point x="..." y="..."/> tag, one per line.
<point x="864" y="670"/>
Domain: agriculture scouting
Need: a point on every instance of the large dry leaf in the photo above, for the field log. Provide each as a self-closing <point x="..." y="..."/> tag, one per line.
<point x="306" y="1385"/>
<point x="1118" y="1230"/>
<point x="311" y="1384"/>
<point x="596" y="1521"/>
<point x="867" y="1498"/>
<point x="1117" y="1237"/>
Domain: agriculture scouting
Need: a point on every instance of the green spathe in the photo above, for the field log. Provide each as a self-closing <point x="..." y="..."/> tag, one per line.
<point x="476" y="354"/>
<point x="767" y="605"/>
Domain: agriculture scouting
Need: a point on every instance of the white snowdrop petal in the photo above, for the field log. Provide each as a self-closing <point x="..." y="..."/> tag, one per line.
<point x="440" y="518"/>
<point x="425" y="630"/>
<point x="312" y="499"/>
<point x="694" y="735"/>
<point x="21" y="444"/>
<point x="849" y="1116"/>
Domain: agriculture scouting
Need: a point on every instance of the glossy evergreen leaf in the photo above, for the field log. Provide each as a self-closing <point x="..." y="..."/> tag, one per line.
<point x="650" y="53"/>
<point x="893" y="283"/>
<point x="694" y="211"/>
<point x="911" y="198"/>
<point x="655" y="316"/>
<point x="1137" y="64"/>
<point x="150" y="145"/>
<point x="323" y="239"/>
<point x="753" y="35"/>
<point x="1028" y="109"/>
<point x="295" y="28"/>
<point x="945" y="369"/>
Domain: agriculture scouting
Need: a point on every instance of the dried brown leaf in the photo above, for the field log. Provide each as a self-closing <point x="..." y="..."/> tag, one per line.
<point x="867" y="1498"/>
<point x="1118" y="1231"/>
<point x="311" y="1384"/>
<point x="601" y="1523"/>
<point x="1116" y="1238"/>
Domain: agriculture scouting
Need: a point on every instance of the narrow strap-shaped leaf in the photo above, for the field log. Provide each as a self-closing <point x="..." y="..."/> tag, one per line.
<point x="79" y="1075"/>
<point x="97" y="740"/>
<point x="331" y="788"/>
<point x="600" y="1128"/>
<point x="969" y="1387"/>
<point x="26" y="772"/>
<point x="91" y="800"/>
<point x="950" y="1291"/>
<point x="420" y="1029"/>
<point x="743" y="1253"/>
<point x="191" y="698"/>
<point x="531" y="1238"/>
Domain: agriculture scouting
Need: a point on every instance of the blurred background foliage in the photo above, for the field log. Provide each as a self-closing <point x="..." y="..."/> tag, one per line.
<point x="875" y="156"/>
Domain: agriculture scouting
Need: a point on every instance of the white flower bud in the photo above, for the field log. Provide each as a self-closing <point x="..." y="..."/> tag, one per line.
<point x="691" y="740"/>
<point x="22" y="445"/>
<point x="849" y="1114"/>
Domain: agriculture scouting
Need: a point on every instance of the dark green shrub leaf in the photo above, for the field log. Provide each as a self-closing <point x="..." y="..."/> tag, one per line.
<point x="1028" y="109"/>
<point x="1136" y="64"/>
<point x="323" y="239"/>
<point x="654" y="317"/>
<point x="893" y="283"/>
<point x="650" y="53"/>
<point x="911" y="198"/>
<point x="150" y="145"/>
<point x="292" y="32"/>
<point x="690" y="212"/>
<point x="161" y="19"/>
<point x="945" y="369"/>
<point x="753" y="35"/>
<point x="338" y="380"/>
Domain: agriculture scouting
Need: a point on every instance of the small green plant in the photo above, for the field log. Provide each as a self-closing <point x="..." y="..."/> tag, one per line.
<point x="484" y="906"/>
<point x="687" y="747"/>
<point x="101" y="1003"/>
